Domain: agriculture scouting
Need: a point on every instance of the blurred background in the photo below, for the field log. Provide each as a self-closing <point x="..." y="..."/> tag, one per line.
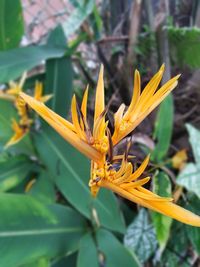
<point x="61" y="43"/>
<point x="125" y="36"/>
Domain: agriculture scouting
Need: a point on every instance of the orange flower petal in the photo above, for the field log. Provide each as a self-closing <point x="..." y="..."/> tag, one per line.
<point x="63" y="127"/>
<point x="166" y="208"/>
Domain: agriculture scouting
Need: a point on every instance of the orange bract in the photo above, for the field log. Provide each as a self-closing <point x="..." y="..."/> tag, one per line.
<point x="115" y="172"/>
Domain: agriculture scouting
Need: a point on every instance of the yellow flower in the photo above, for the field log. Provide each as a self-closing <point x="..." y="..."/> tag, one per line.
<point x="21" y="128"/>
<point x="38" y="93"/>
<point x="19" y="133"/>
<point x="14" y="89"/>
<point x="115" y="172"/>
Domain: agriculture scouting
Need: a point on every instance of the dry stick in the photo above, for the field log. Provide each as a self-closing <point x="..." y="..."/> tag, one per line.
<point x="111" y="39"/>
<point x="150" y="17"/>
<point x="162" y="39"/>
<point x="134" y="30"/>
<point x="127" y="70"/>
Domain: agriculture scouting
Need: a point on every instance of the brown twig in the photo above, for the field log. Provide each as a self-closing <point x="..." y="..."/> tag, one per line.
<point x="113" y="39"/>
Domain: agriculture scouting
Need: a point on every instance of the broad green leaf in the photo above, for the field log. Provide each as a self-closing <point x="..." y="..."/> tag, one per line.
<point x="11" y="24"/>
<point x="184" y="46"/>
<point x="162" y="224"/>
<point x="43" y="188"/>
<point x="88" y="254"/>
<point x="194" y="138"/>
<point x="177" y="248"/>
<point x="194" y="232"/>
<point x="173" y="258"/>
<point x="71" y="173"/>
<point x="13" y="172"/>
<point x="7" y="112"/>
<point x="43" y="262"/>
<point x="33" y="230"/>
<point x="140" y="236"/>
<point x="163" y="129"/>
<point x="76" y="3"/>
<point x="14" y="62"/>
<point x="67" y="261"/>
<point x="115" y="254"/>
<point x="77" y="17"/>
<point x="57" y="38"/>
<point x="59" y="76"/>
<point x="189" y="178"/>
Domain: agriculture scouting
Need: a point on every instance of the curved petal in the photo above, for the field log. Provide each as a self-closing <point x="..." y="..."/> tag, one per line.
<point x="84" y="103"/>
<point x="63" y="127"/>
<point x="144" y="109"/>
<point x="166" y="208"/>
<point x="99" y="100"/>
<point x="19" y="133"/>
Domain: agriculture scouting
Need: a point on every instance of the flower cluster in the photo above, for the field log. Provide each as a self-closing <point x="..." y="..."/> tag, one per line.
<point x="115" y="172"/>
<point x="21" y="127"/>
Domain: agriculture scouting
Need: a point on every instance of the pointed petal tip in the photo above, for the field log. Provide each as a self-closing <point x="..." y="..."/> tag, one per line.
<point x="148" y="157"/>
<point x="101" y="71"/>
<point x="102" y="67"/>
<point x="137" y="74"/>
<point x="162" y="68"/>
<point x="137" y="71"/>
<point x="178" y="76"/>
<point x="99" y="98"/>
<point x="87" y="88"/>
<point x="74" y="98"/>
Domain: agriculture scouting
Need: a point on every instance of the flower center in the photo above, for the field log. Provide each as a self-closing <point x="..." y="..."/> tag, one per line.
<point x="102" y="145"/>
<point x="107" y="172"/>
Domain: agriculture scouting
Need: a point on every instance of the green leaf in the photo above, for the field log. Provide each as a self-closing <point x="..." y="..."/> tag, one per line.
<point x="79" y="14"/>
<point x="163" y="129"/>
<point x="194" y="138"/>
<point x="14" y="62"/>
<point x="162" y="224"/>
<point x="67" y="261"/>
<point x="140" y="236"/>
<point x="88" y="254"/>
<point x="43" y="262"/>
<point x="43" y="189"/>
<point x="33" y="230"/>
<point x="59" y="75"/>
<point x="76" y="3"/>
<point x="13" y="172"/>
<point x="184" y="46"/>
<point x="177" y="248"/>
<point x="115" y="254"/>
<point x="6" y="108"/>
<point x="194" y="232"/>
<point x="189" y="178"/>
<point x="11" y="24"/>
<point x="71" y="173"/>
<point x="174" y="258"/>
